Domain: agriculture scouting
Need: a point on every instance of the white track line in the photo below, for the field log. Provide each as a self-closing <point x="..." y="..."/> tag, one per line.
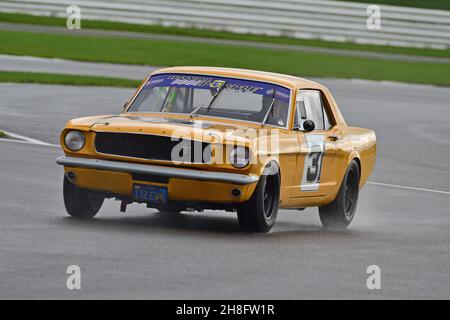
<point x="28" y="142"/>
<point x="27" y="139"/>
<point x="407" y="188"/>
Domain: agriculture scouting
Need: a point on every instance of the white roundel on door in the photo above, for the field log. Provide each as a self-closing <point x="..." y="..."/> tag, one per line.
<point x="313" y="162"/>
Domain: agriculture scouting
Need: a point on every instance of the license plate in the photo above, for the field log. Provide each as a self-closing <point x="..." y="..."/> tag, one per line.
<point x="150" y="194"/>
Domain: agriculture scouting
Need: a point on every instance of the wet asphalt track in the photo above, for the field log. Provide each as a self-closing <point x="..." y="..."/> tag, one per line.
<point x="144" y="254"/>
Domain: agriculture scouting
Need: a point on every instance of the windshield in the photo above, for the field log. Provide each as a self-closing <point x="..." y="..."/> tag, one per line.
<point x="214" y="96"/>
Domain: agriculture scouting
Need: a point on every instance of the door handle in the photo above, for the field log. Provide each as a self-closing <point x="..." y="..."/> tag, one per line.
<point x="333" y="137"/>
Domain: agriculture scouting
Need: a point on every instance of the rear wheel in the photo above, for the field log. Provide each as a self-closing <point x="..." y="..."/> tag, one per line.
<point x="80" y="205"/>
<point x="339" y="213"/>
<point x="259" y="213"/>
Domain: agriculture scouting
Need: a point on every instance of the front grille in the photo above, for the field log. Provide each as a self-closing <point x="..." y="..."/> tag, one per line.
<point x="152" y="147"/>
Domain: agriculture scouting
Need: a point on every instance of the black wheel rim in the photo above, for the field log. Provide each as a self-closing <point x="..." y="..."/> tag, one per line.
<point x="268" y="195"/>
<point x="350" y="194"/>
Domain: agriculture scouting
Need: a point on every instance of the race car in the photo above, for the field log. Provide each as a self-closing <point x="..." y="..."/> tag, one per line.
<point x="205" y="138"/>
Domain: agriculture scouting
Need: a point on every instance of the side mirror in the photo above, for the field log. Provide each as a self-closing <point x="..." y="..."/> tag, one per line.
<point x="125" y="105"/>
<point x="308" y="125"/>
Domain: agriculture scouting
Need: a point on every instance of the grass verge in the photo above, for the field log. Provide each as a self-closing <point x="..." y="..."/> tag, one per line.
<point x="155" y="29"/>
<point x="172" y="53"/>
<point x="50" y="78"/>
<point x="2" y="134"/>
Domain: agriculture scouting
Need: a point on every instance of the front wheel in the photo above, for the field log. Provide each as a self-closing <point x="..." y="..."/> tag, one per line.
<point x="338" y="214"/>
<point x="259" y="213"/>
<point x="80" y="205"/>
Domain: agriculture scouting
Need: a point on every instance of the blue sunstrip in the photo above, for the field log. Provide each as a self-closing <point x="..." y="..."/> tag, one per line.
<point x="212" y="82"/>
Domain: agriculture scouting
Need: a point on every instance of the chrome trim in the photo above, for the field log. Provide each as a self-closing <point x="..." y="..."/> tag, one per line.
<point x="171" y="172"/>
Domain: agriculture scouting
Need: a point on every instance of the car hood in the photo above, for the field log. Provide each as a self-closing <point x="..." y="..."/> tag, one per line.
<point x="206" y="129"/>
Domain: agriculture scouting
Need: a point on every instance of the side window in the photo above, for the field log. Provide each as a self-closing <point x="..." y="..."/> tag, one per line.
<point x="310" y="107"/>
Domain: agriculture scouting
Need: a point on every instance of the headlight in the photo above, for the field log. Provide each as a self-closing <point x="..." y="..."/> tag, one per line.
<point x="240" y="157"/>
<point x="74" y="140"/>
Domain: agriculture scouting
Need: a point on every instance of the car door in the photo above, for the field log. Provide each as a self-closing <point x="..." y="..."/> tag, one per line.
<point x="316" y="173"/>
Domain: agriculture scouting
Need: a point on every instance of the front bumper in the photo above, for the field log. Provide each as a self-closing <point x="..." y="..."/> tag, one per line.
<point x="233" y="178"/>
<point x="186" y="185"/>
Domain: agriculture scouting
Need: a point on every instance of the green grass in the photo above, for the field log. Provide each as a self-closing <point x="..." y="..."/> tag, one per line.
<point x="428" y="4"/>
<point x="154" y="29"/>
<point x="50" y="78"/>
<point x="2" y="134"/>
<point x="172" y="53"/>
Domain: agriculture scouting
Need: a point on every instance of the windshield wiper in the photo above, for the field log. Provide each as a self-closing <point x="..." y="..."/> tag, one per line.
<point x="210" y="105"/>
<point x="194" y="112"/>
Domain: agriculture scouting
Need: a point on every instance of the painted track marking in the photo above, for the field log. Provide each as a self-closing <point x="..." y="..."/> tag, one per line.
<point x="407" y="187"/>
<point x="23" y="139"/>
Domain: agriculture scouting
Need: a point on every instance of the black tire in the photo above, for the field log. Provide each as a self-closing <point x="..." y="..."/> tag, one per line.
<point x="80" y="205"/>
<point x="338" y="214"/>
<point x="259" y="213"/>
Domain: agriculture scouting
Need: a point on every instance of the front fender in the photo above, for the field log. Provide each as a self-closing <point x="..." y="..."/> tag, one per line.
<point x="271" y="165"/>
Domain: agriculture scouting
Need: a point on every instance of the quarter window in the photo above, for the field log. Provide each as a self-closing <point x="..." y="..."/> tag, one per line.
<point x="310" y="107"/>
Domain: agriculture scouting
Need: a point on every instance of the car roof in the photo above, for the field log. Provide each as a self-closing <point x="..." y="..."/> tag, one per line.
<point x="282" y="79"/>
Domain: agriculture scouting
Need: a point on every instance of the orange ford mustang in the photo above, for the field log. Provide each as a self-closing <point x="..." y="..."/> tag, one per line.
<point x="196" y="138"/>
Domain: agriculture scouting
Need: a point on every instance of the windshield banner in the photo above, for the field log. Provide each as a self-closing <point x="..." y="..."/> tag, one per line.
<point x="215" y="83"/>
